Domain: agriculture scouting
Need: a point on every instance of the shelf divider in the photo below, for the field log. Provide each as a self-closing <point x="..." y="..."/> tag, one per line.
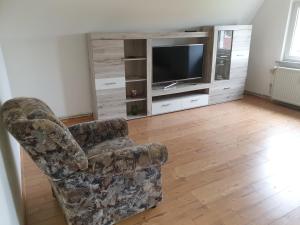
<point x="129" y="99"/>
<point x="135" y="58"/>
<point x="135" y="80"/>
<point x="133" y="117"/>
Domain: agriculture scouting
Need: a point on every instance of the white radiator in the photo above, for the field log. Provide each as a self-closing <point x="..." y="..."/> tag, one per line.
<point x="286" y="85"/>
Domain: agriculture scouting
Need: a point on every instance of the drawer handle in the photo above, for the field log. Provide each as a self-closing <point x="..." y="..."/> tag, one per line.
<point x="111" y="83"/>
<point x="165" y="105"/>
<point x="240" y="55"/>
<point x="194" y="100"/>
<point x="226" y="88"/>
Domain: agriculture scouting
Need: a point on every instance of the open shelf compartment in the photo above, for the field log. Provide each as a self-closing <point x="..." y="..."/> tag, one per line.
<point x="136" y="109"/>
<point x="135" y="70"/>
<point x="135" y="49"/>
<point x="180" y="87"/>
<point x="136" y="90"/>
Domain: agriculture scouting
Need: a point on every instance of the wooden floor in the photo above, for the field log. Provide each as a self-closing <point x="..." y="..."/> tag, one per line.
<point x="231" y="164"/>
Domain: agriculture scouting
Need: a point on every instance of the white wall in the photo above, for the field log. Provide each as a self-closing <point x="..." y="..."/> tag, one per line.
<point x="269" y="27"/>
<point x="60" y="17"/>
<point x="45" y="48"/>
<point x="11" y="205"/>
<point x="52" y="69"/>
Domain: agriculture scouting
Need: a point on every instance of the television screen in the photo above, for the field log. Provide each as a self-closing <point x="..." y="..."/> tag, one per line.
<point x="172" y="63"/>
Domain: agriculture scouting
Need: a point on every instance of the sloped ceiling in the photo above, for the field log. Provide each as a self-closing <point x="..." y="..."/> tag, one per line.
<point x="27" y="18"/>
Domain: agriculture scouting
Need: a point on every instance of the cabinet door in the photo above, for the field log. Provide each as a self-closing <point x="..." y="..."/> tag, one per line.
<point x="109" y="74"/>
<point x="232" y="87"/>
<point x="111" y="103"/>
<point x="241" y="40"/>
<point x="107" y="49"/>
<point x="109" y="69"/>
<point x="240" y="54"/>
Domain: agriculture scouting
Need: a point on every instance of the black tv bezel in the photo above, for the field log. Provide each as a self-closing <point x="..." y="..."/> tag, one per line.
<point x="179" y="80"/>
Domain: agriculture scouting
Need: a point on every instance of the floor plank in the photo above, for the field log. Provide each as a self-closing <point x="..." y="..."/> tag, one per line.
<point x="229" y="164"/>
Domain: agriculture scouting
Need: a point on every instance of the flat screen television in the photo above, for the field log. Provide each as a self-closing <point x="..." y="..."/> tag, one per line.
<point x="173" y="63"/>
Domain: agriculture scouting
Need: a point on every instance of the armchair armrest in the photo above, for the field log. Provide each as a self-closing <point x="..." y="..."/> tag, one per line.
<point x="91" y="133"/>
<point x="129" y="159"/>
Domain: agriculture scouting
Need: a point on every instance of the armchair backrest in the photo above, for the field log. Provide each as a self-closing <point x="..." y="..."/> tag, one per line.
<point x="43" y="136"/>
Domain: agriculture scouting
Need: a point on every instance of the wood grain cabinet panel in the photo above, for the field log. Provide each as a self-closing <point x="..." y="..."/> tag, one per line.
<point x="111" y="103"/>
<point x="108" y="68"/>
<point x="225" y="98"/>
<point x="240" y="53"/>
<point x="107" y="49"/>
<point x="228" y="91"/>
<point x="241" y="40"/>
<point x="239" y="64"/>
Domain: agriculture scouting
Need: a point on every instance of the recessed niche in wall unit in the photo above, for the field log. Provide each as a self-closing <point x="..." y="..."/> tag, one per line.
<point x="135" y="70"/>
<point x="137" y="109"/>
<point x="173" y="42"/>
<point x="135" y="49"/>
<point x="136" y="91"/>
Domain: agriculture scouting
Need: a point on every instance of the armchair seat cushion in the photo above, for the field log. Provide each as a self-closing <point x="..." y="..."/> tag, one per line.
<point x="109" y="146"/>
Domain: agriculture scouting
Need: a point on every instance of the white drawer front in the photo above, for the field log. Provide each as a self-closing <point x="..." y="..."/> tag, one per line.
<point x="110" y="83"/>
<point x="194" y="101"/>
<point x="180" y="103"/>
<point x="165" y="107"/>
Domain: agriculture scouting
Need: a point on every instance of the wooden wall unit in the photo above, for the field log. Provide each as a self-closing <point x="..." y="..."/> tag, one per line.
<point x="121" y="73"/>
<point x="234" y="59"/>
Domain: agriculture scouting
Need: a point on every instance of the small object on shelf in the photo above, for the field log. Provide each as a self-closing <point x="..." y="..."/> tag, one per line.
<point x="133" y="93"/>
<point x="170" y="86"/>
<point x="134" y="110"/>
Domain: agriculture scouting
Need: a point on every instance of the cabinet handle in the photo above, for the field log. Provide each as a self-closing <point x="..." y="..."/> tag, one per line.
<point x="111" y="83"/>
<point x="194" y="100"/>
<point x="165" y="105"/>
<point x="240" y="55"/>
<point x="226" y="88"/>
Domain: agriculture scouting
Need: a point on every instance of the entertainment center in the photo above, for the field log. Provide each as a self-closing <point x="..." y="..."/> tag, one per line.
<point x="142" y="74"/>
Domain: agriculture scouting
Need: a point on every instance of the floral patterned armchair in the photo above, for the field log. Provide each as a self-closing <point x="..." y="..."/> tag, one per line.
<point x="98" y="174"/>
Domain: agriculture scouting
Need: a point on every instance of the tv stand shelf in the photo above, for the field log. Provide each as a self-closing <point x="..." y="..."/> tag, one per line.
<point x="179" y="88"/>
